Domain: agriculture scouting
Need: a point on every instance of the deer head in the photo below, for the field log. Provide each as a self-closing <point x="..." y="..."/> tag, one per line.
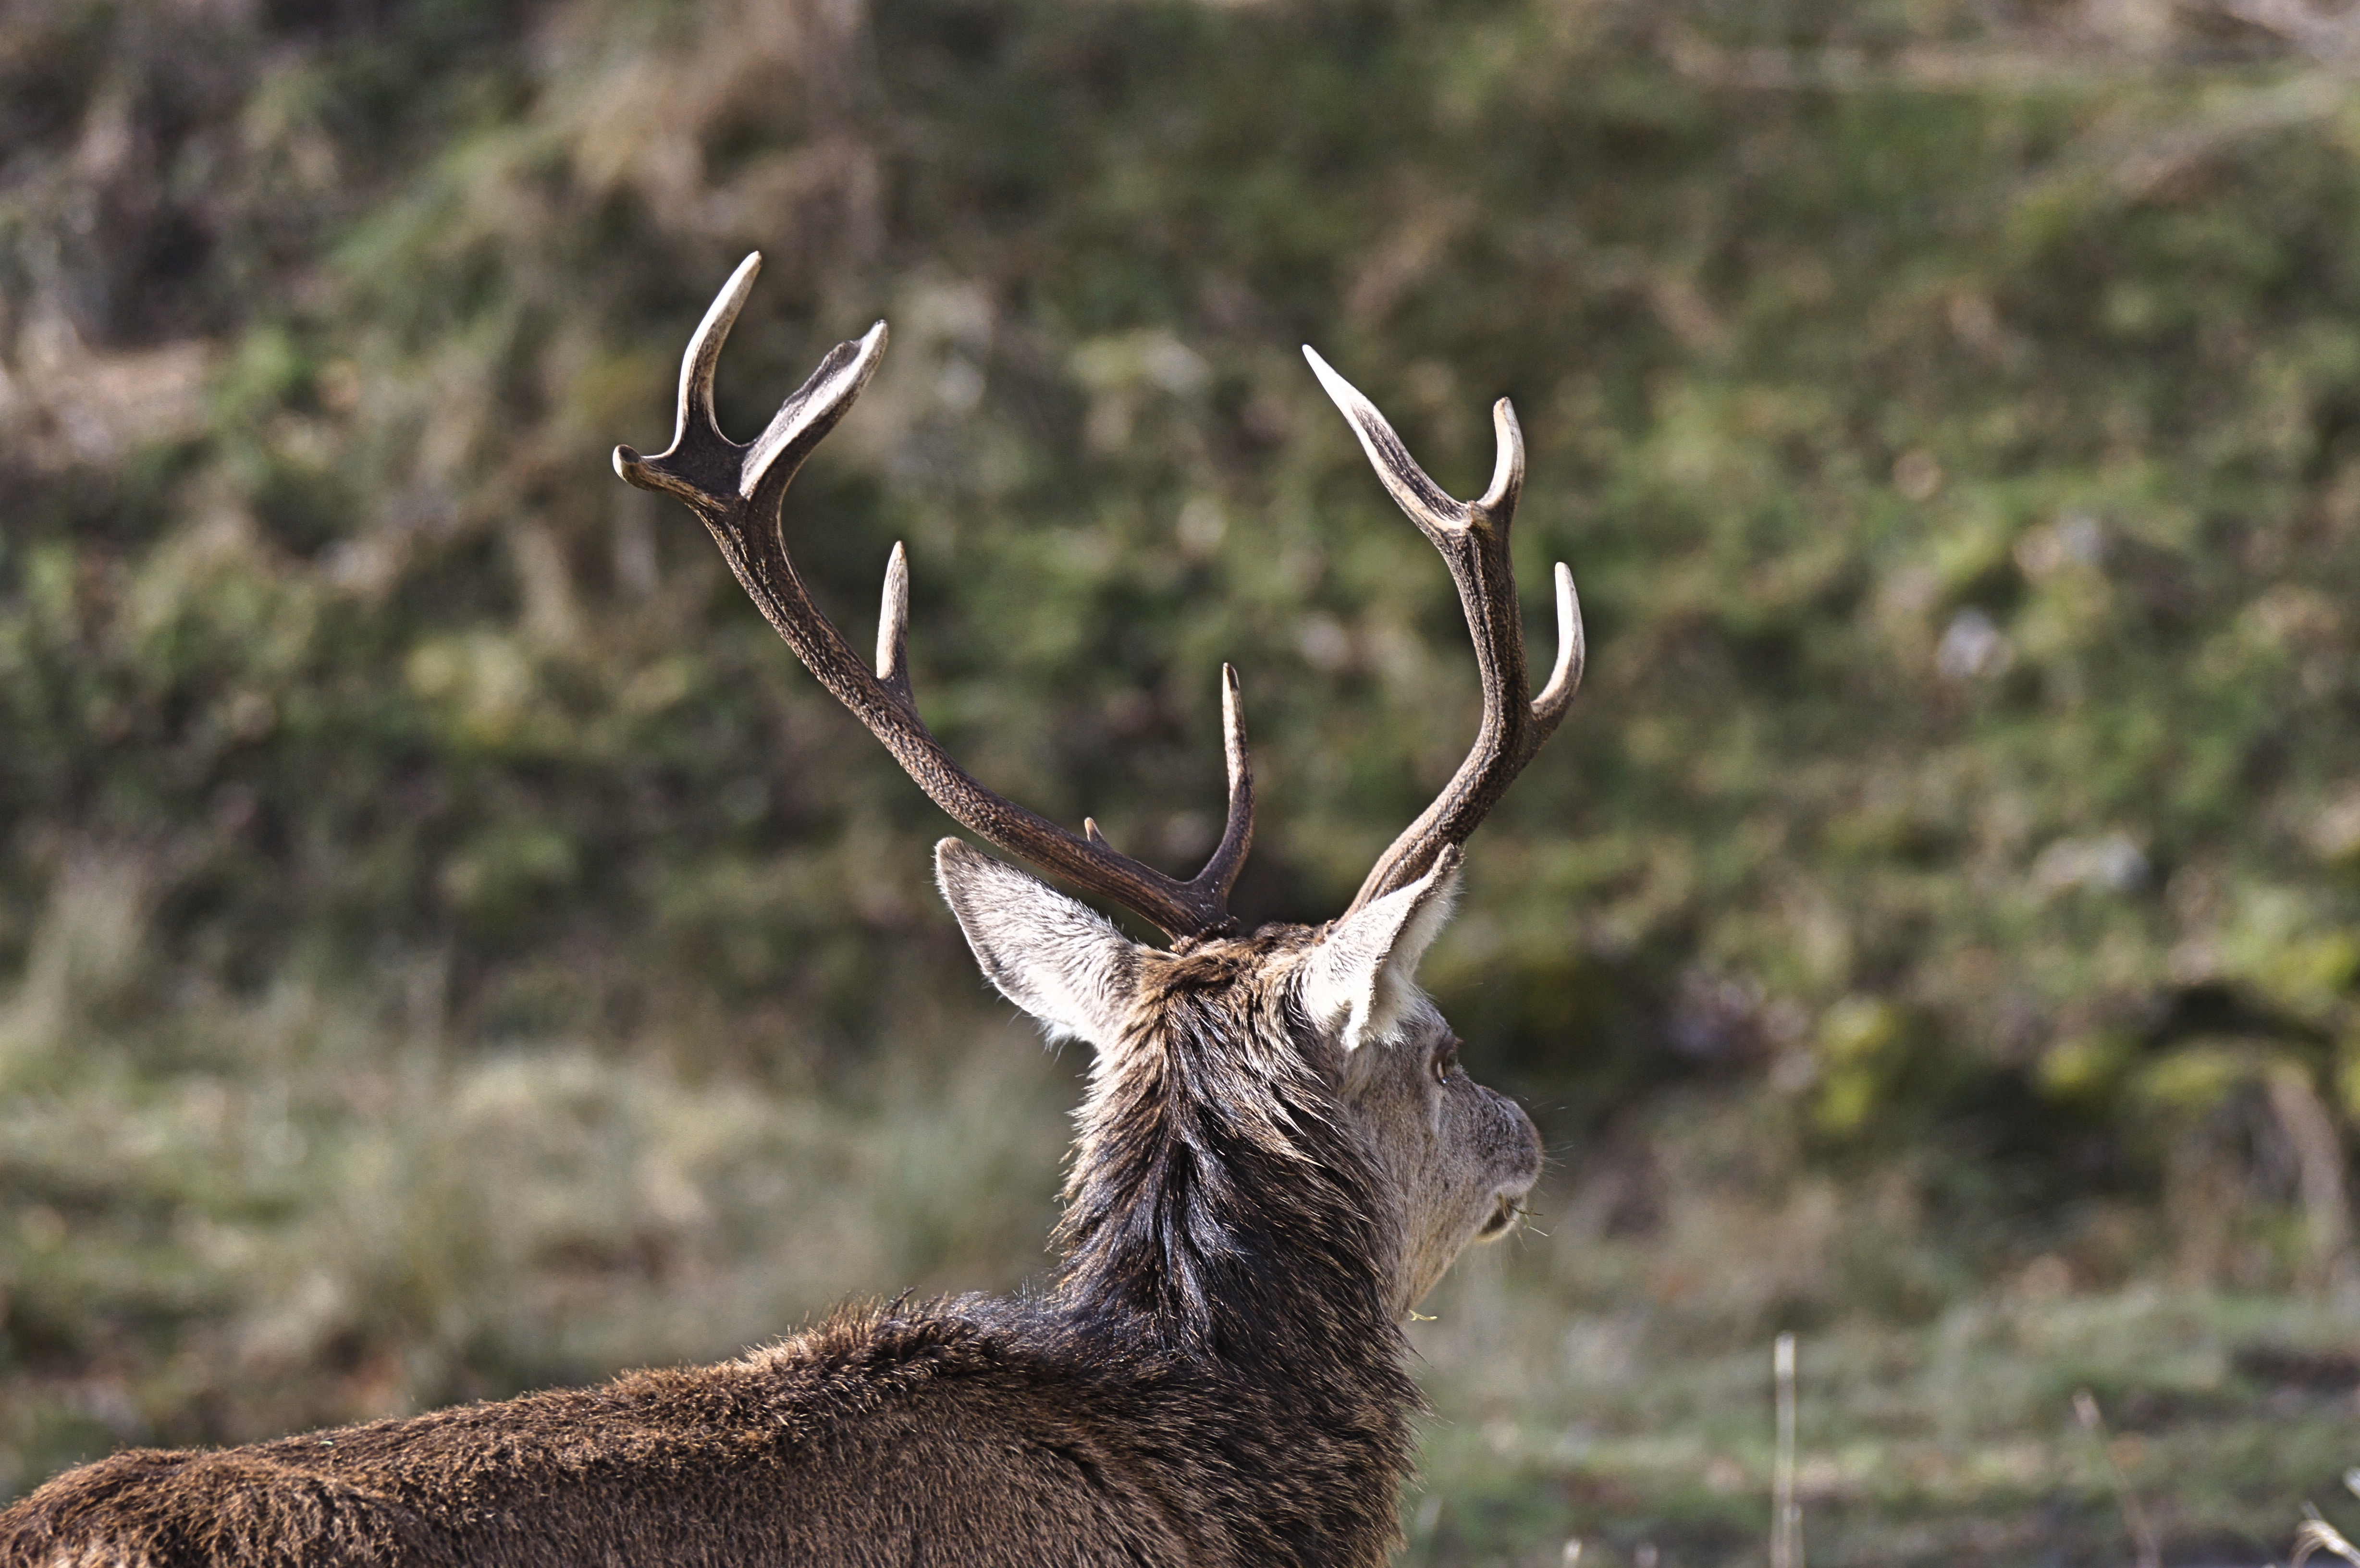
<point x="1242" y="1041"/>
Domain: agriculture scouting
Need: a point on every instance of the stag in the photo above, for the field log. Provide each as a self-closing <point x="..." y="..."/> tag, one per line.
<point x="1278" y="1154"/>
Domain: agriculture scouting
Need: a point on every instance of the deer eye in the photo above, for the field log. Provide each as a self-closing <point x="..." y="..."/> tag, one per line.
<point x="1446" y="1061"/>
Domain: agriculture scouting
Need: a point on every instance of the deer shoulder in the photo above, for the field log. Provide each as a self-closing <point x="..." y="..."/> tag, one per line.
<point x="1278" y="1157"/>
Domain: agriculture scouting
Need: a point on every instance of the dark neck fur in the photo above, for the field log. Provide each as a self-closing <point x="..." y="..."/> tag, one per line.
<point x="1216" y="1201"/>
<point x="1222" y="1225"/>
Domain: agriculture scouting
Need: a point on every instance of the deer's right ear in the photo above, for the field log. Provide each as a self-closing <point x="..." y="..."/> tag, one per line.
<point x="1062" y="963"/>
<point x="1365" y="965"/>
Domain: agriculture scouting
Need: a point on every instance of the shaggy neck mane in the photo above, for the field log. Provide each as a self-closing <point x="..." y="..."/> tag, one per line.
<point x="1216" y="1201"/>
<point x="1224" y="1239"/>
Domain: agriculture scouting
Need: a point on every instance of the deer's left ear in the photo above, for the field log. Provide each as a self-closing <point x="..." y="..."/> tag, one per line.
<point x="1360" y="973"/>
<point x="1062" y="963"/>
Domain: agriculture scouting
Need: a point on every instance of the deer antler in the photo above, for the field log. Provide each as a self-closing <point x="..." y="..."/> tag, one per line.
<point x="1473" y="538"/>
<point x="737" y="491"/>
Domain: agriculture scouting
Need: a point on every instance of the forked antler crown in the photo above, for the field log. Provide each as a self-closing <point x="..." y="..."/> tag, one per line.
<point x="736" y="489"/>
<point x="1473" y="538"/>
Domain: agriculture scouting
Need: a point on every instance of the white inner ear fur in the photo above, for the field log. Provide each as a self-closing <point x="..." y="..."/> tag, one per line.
<point x="1061" y="961"/>
<point x="1365" y="967"/>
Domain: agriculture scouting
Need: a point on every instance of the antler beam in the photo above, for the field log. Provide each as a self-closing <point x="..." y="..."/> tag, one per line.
<point x="1473" y="538"/>
<point x="737" y="491"/>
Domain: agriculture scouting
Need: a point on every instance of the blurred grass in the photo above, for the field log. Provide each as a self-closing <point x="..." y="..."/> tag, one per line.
<point x="446" y="947"/>
<point x="1638" y="1431"/>
<point x="1608" y="1382"/>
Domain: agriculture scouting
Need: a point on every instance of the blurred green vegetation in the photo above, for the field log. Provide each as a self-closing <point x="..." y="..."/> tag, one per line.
<point x="447" y="946"/>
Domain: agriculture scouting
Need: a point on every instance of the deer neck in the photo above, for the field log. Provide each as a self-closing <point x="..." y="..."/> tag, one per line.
<point x="1218" y="1204"/>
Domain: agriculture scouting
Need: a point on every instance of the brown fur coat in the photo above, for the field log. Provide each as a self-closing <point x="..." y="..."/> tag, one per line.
<point x="1215" y="1381"/>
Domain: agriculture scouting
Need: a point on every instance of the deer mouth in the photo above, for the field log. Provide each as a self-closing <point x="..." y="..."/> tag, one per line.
<point x="1505" y="1212"/>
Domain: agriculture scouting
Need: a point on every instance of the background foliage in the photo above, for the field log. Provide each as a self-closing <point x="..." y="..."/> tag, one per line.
<point x="446" y="945"/>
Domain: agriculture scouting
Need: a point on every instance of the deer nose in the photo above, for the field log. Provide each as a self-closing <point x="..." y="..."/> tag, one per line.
<point x="1521" y="1152"/>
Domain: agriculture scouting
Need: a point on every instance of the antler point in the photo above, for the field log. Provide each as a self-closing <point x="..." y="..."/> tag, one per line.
<point x="1343" y="391"/>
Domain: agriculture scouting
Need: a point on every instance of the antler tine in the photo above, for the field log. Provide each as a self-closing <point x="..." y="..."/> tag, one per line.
<point x="1237" y="832"/>
<point x="703" y="467"/>
<point x="704" y="351"/>
<point x="804" y="420"/>
<point x="1473" y="538"/>
<point x="893" y="628"/>
<point x="701" y="459"/>
<point x="1429" y="506"/>
<point x="1572" y="654"/>
<point x="1220" y="873"/>
<point x="737" y="491"/>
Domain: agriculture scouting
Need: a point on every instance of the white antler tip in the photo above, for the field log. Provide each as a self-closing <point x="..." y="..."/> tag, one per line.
<point x="1508" y="467"/>
<point x="893" y="624"/>
<point x="1565" y="676"/>
<point x="1346" y="396"/>
<point x="704" y="351"/>
<point x="726" y="303"/>
<point x="741" y="281"/>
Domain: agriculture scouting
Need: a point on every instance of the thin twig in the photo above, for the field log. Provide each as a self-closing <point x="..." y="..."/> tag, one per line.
<point x="2134" y="1519"/>
<point x="1785" y="1514"/>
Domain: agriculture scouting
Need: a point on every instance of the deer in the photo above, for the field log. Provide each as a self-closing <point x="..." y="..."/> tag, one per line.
<point x="1278" y="1155"/>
